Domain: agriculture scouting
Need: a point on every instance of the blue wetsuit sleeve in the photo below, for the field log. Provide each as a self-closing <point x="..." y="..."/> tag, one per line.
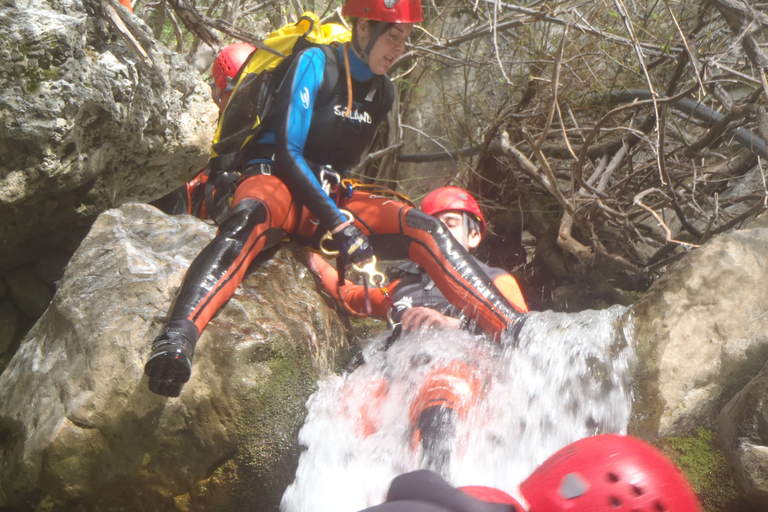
<point x="295" y="102"/>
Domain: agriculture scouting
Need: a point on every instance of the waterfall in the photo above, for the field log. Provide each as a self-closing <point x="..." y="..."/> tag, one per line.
<point x="567" y="377"/>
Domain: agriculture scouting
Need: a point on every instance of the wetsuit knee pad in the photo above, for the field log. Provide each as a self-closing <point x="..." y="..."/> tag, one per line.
<point x="245" y="215"/>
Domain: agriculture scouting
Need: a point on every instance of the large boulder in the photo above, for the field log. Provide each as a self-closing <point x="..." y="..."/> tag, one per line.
<point x="743" y="428"/>
<point x="85" y="125"/>
<point x="78" y="424"/>
<point x="701" y="333"/>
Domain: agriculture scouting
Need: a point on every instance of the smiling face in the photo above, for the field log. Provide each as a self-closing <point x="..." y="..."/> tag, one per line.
<point x="388" y="47"/>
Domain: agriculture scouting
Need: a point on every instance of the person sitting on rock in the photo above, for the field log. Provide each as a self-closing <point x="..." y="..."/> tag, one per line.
<point x="325" y="114"/>
<point x="602" y="473"/>
<point x="417" y="302"/>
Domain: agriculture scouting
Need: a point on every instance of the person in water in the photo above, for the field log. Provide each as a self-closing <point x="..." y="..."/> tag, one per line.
<point x="602" y="473"/>
<point x="326" y="111"/>
<point x="413" y="301"/>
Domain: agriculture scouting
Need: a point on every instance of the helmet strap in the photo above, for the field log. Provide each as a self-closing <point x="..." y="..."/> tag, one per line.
<point x="465" y="230"/>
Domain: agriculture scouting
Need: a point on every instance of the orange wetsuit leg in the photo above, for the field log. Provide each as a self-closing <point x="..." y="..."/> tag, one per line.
<point x="263" y="212"/>
<point x="398" y="231"/>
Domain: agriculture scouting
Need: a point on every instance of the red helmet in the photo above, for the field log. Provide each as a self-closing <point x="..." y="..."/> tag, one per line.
<point x="491" y="495"/>
<point x="452" y="198"/>
<point x="388" y="11"/>
<point x="229" y="61"/>
<point x="609" y="472"/>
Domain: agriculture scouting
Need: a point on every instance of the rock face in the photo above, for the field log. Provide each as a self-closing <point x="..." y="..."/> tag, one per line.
<point x="743" y="428"/>
<point x="85" y="126"/>
<point x="78" y="424"/>
<point x="702" y="333"/>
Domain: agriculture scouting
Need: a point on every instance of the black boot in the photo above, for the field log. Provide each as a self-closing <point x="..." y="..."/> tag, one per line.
<point x="170" y="363"/>
<point x="437" y="427"/>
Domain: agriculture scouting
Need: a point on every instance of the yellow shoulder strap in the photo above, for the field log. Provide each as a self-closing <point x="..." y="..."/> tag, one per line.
<point x="283" y="40"/>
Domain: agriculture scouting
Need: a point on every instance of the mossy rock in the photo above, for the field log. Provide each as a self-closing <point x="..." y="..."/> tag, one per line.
<point x="701" y="458"/>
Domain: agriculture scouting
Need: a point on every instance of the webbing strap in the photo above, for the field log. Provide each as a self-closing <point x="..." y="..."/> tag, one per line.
<point x="351" y="184"/>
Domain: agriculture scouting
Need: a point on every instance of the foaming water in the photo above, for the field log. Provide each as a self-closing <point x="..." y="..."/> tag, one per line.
<point x="567" y="378"/>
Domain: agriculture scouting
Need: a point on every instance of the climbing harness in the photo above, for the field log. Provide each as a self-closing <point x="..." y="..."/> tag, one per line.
<point x="219" y="189"/>
<point x="350" y="185"/>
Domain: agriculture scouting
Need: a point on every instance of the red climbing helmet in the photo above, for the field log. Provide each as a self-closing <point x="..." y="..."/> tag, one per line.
<point x="229" y="61"/>
<point x="452" y="198"/>
<point x="609" y="472"/>
<point x="388" y="11"/>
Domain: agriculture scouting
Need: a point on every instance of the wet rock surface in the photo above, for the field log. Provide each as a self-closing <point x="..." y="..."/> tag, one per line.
<point x="743" y="429"/>
<point x="78" y="424"/>
<point x="85" y="126"/>
<point x="702" y="333"/>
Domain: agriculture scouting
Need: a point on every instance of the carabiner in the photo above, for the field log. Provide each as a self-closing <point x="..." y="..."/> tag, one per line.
<point x="329" y="236"/>
<point x="375" y="278"/>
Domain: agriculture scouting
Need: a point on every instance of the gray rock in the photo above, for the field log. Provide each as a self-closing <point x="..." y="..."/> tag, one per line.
<point x="77" y="421"/>
<point x="85" y="126"/>
<point x="701" y="333"/>
<point x="743" y="429"/>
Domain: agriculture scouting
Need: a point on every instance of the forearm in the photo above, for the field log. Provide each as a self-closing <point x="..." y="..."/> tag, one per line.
<point x="296" y="174"/>
<point x="352" y="294"/>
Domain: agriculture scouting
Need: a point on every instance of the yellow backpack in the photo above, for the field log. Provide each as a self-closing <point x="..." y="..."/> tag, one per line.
<point x="257" y="80"/>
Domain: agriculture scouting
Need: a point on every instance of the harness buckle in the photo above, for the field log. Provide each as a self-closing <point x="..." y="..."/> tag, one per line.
<point x="258" y="166"/>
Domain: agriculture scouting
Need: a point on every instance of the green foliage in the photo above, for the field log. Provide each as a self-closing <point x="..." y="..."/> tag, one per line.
<point x="168" y="33"/>
<point x="50" y="74"/>
<point x="701" y="458"/>
<point x="34" y="77"/>
<point x="632" y="295"/>
<point x="33" y="80"/>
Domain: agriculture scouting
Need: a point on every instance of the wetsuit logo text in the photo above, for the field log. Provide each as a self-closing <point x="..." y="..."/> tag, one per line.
<point x="355" y="115"/>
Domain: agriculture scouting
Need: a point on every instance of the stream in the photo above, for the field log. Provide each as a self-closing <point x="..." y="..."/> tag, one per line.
<point x="568" y="377"/>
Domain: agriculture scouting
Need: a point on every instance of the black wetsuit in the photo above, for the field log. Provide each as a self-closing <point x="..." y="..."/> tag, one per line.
<point x="425" y="491"/>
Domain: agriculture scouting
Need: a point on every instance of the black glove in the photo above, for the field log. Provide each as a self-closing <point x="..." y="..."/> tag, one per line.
<point x="353" y="245"/>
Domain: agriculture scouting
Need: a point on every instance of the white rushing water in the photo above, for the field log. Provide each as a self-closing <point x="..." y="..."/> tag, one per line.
<point x="567" y="378"/>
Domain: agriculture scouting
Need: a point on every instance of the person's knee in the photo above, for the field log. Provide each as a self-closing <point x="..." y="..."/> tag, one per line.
<point x="245" y="215"/>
